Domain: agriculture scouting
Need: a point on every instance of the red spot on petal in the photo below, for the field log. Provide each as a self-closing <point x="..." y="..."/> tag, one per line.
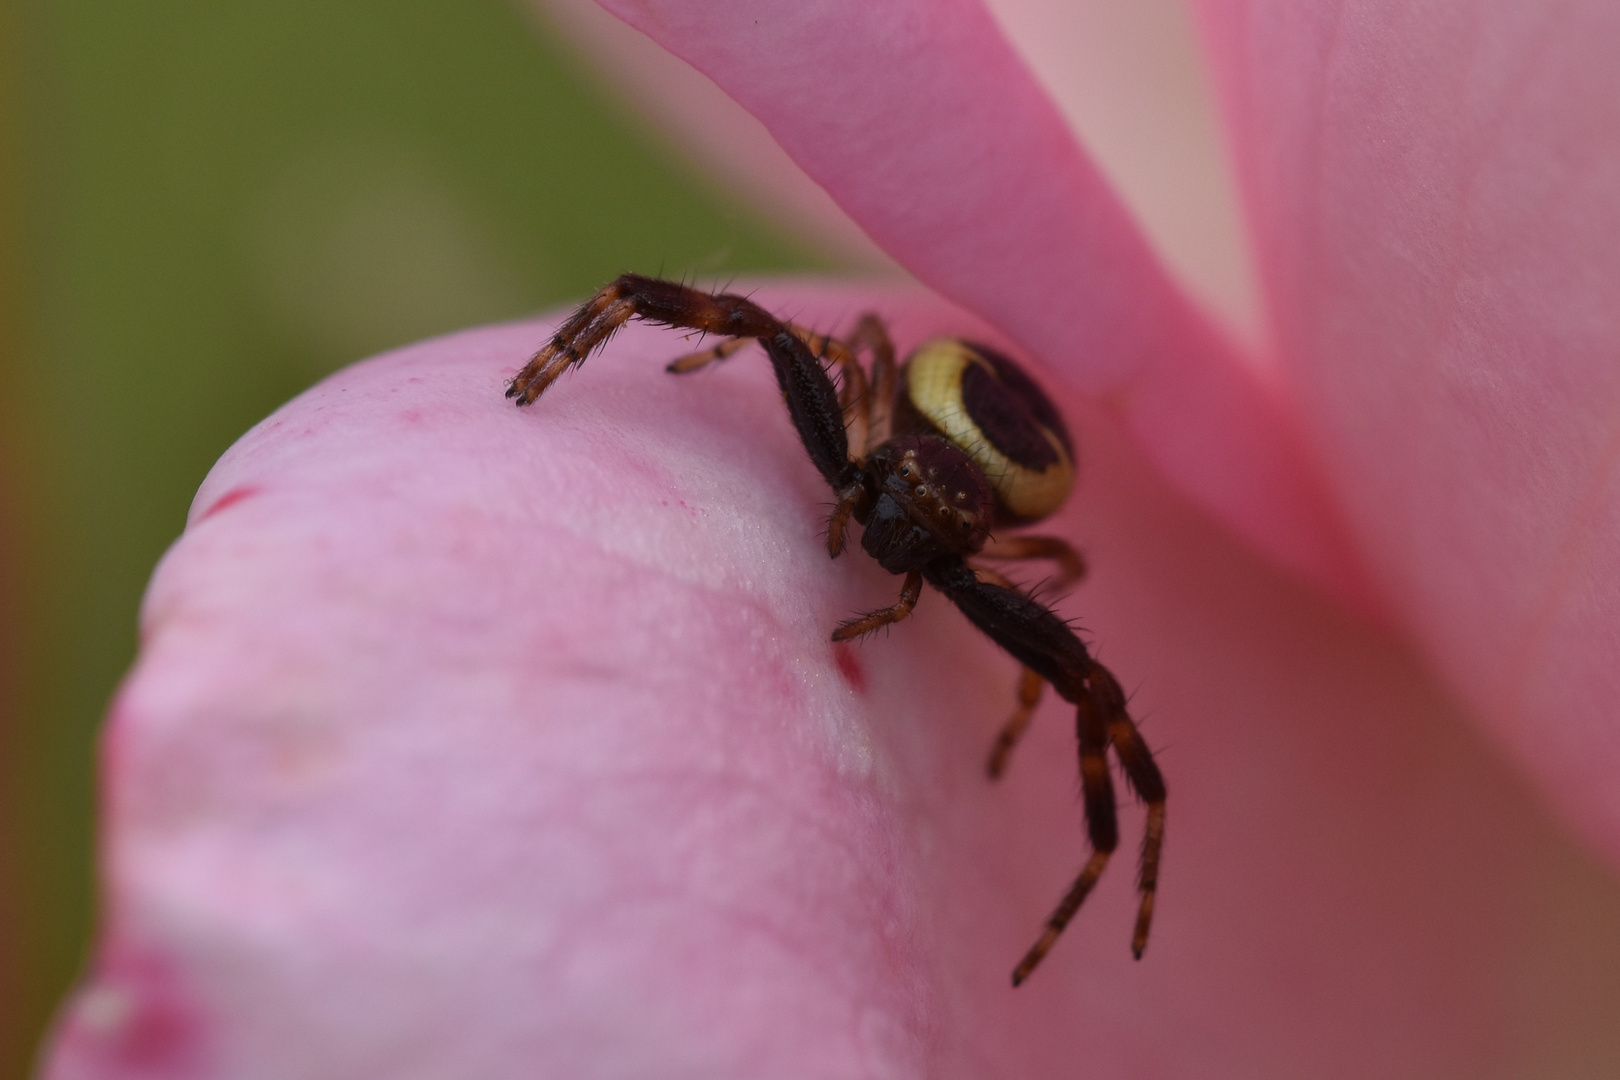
<point x="850" y="666"/>
<point x="230" y="498"/>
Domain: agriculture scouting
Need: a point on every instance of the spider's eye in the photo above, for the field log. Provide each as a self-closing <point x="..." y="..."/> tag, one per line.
<point x="905" y="472"/>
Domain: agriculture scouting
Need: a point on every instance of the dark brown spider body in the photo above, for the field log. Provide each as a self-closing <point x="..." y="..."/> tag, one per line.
<point x="928" y="458"/>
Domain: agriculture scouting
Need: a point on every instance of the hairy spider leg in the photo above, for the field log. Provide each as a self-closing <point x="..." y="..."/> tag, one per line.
<point x="1102" y="825"/>
<point x="1071" y="565"/>
<point x="1030" y="685"/>
<point x="853" y="392"/>
<point x="838" y="524"/>
<point x="852" y="385"/>
<point x="1071" y="568"/>
<point x="874" y="620"/>
<point x="871" y="334"/>
<point x="811" y="398"/>
<point x="1142" y="773"/>
<point x="681" y="365"/>
<point x="868" y="401"/>
<point x="1044" y="643"/>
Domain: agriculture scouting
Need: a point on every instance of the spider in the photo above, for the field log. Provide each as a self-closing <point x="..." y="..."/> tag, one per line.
<point x="927" y="457"/>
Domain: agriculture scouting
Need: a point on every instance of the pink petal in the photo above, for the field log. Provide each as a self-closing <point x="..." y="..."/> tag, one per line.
<point x="1433" y="187"/>
<point x="701" y="123"/>
<point x="1129" y="78"/>
<point x="927" y="128"/>
<point x="471" y="741"/>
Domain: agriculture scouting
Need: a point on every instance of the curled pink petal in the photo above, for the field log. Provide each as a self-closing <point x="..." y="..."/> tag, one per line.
<point x="1130" y="80"/>
<point x="926" y="127"/>
<point x="1433" y="189"/>
<point x="476" y="741"/>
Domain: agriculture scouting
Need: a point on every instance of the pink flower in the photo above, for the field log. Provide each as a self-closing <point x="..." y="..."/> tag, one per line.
<point x="468" y="741"/>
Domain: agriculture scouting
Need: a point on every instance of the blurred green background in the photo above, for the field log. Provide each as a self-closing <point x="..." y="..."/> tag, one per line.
<point x="205" y="207"/>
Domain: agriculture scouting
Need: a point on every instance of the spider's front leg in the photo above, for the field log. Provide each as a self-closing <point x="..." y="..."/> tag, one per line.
<point x="811" y="398"/>
<point x="632" y="296"/>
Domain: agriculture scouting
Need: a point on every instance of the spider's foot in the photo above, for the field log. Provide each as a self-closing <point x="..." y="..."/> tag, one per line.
<point x="541" y="371"/>
<point x="1035" y="955"/>
<point x="1060" y="918"/>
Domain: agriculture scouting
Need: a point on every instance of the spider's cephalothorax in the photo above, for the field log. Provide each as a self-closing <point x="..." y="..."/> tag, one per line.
<point x="927" y="457"/>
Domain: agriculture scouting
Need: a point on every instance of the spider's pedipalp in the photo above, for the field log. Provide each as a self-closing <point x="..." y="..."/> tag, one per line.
<point x="876" y="620"/>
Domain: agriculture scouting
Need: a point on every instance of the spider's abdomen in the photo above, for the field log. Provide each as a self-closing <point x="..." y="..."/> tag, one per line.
<point x="984" y="403"/>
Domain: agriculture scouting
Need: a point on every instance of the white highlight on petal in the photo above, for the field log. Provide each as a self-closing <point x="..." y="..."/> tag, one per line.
<point x="1129" y="76"/>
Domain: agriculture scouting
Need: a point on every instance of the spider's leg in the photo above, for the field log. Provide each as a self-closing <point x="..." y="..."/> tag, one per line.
<point x="1101" y="825"/>
<point x="812" y="400"/>
<point x="991" y="577"/>
<point x="909" y="592"/>
<point x="853" y="393"/>
<point x="820" y="344"/>
<point x="1070" y="563"/>
<point x="704" y="357"/>
<point x="1142" y="773"/>
<point x="1044" y="643"/>
<point x="813" y="403"/>
<point x="1071" y="568"/>
<point x="1030" y="685"/>
<point x="872" y="335"/>
<point x="632" y="296"/>
<point x="848" y="498"/>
